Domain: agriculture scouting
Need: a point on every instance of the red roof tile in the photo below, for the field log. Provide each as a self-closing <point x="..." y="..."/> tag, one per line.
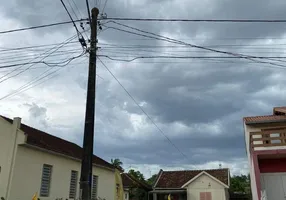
<point x="268" y="118"/>
<point x="49" y="142"/>
<point x="176" y="179"/>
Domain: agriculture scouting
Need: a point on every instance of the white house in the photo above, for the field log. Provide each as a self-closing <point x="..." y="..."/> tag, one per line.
<point x="192" y="185"/>
<point x="265" y="139"/>
<point x="32" y="161"/>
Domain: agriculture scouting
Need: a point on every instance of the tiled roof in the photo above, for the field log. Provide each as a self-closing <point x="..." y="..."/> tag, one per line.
<point x="267" y="118"/>
<point x="176" y="179"/>
<point x="279" y="110"/>
<point x="279" y="114"/>
<point x="49" y="142"/>
<point x="130" y="182"/>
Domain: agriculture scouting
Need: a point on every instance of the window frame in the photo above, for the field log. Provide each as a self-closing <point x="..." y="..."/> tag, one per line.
<point x="43" y="193"/>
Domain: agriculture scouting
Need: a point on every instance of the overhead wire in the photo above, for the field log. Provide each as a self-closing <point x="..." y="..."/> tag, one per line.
<point x="145" y="113"/>
<point x="198" y="20"/>
<point x="171" y="40"/>
<point x="80" y="36"/>
<point x="32" y="64"/>
<point x="40" y="77"/>
<point x="40" y="26"/>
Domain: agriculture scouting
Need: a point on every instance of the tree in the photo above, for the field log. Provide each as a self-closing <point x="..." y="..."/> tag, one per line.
<point x="136" y="174"/>
<point x="117" y="163"/>
<point x="240" y="184"/>
<point x="152" y="179"/>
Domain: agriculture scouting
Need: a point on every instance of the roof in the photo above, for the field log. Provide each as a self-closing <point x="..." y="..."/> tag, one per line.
<point x="176" y="179"/>
<point x="131" y="182"/>
<point x="279" y="115"/>
<point x="49" y="142"/>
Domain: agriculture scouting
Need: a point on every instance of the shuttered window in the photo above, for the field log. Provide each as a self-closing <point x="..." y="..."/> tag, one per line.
<point x="205" y="196"/>
<point x="94" y="187"/>
<point x="46" y="180"/>
<point x="73" y="184"/>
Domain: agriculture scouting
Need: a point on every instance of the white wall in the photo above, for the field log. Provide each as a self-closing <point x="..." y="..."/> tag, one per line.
<point x="28" y="172"/>
<point x="201" y="184"/>
<point x="126" y="195"/>
<point x="10" y="137"/>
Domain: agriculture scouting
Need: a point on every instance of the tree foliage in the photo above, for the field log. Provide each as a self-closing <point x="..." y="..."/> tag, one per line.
<point x="152" y="179"/>
<point x="117" y="163"/>
<point x="136" y="174"/>
<point x="240" y="184"/>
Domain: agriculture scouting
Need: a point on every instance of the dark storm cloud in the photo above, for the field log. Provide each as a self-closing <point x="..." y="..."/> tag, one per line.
<point x="195" y="93"/>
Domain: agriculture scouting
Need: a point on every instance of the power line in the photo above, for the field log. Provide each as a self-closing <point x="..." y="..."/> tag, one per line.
<point x="168" y="39"/>
<point x="148" y="116"/>
<point x="32" y="64"/>
<point x="41" y="26"/>
<point x="40" y="77"/>
<point x="32" y="47"/>
<point x="80" y="37"/>
<point x="88" y="12"/>
<point x="104" y="6"/>
<point x="198" y="20"/>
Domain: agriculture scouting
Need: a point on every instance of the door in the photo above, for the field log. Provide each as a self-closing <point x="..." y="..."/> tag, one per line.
<point x="274" y="184"/>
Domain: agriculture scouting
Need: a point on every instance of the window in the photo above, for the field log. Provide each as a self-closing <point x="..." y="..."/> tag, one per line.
<point x="205" y="196"/>
<point x="126" y="195"/>
<point x="94" y="187"/>
<point x="73" y="184"/>
<point x="46" y="180"/>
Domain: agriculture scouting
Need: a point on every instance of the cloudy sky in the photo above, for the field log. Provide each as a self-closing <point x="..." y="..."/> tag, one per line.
<point x="197" y="103"/>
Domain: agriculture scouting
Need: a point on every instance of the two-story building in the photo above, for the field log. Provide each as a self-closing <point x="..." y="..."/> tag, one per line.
<point x="32" y="161"/>
<point x="265" y="139"/>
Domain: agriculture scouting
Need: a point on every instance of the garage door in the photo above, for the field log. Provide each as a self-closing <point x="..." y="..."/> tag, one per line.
<point x="274" y="185"/>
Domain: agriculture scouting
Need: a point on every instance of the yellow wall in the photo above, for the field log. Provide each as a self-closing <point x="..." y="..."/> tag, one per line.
<point x="201" y="184"/>
<point x="28" y="172"/>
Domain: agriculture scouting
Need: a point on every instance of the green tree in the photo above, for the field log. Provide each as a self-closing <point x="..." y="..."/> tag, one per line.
<point x="240" y="184"/>
<point x="117" y="163"/>
<point x="152" y="179"/>
<point x="136" y="174"/>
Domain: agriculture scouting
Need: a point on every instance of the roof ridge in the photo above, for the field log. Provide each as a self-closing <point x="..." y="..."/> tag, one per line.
<point x="196" y="170"/>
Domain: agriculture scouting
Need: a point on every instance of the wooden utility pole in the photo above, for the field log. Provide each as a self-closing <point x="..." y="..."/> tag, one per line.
<point x="87" y="157"/>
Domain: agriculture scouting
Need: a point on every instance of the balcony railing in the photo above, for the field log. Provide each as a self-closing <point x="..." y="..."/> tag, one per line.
<point x="268" y="138"/>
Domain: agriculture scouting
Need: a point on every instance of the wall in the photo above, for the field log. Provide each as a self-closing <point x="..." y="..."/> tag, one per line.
<point x="247" y="130"/>
<point x="28" y="172"/>
<point x="201" y="184"/>
<point x="10" y="137"/>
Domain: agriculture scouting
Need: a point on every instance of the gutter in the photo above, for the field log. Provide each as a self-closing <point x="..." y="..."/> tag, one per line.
<point x="265" y="122"/>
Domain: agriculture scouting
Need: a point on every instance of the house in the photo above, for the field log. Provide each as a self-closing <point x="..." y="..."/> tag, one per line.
<point x="32" y="161"/>
<point x="192" y="185"/>
<point x="130" y="184"/>
<point x="265" y="139"/>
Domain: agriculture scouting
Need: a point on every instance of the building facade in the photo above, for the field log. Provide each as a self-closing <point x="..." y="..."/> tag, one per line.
<point x="32" y="161"/>
<point x="265" y="139"/>
<point x="192" y="185"/>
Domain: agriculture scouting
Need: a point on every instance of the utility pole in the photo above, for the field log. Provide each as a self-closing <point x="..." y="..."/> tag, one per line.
<point x="87" y="157"/>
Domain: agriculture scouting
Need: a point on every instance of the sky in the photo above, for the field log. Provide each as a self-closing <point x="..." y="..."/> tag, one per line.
<point x="198" y="104"/>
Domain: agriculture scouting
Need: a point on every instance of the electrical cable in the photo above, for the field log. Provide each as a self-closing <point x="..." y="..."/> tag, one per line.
<point x="199" y="20"/>
<point x="41" y="26"/>
<point x="32" y="64"/>
<point x="80" y="36"/>
<point x="163" y="38"/>
<point x="104" y="6"/>
<point x="146" y="114"/>
<point x="40" y="77"/>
